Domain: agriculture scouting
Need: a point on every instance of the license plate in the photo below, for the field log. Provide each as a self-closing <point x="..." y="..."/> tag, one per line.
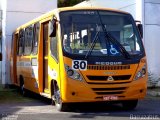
<point x="107" y="98"/>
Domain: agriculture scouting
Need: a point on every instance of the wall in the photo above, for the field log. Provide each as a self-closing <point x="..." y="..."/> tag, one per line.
<point x="152" y="42"/>
<point x="0" y="40"/>
<point x="16" y="13"/>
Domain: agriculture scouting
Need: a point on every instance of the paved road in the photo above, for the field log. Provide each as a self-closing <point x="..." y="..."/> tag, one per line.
<point x="42" y="110"/>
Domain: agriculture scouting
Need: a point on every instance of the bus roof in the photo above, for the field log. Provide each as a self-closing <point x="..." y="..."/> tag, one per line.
<point x="56" y="11"/>
<point x="90" y="8"/>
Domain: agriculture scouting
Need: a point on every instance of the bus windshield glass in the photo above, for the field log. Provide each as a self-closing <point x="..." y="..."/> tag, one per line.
<point x="92" y="32"/>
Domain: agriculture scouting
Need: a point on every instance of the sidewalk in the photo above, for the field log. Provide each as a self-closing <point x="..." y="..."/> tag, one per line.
<point x="155" y="92"/>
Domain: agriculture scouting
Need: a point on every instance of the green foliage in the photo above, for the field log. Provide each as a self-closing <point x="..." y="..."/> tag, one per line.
<point x="66" y="3"/>
<point x="12" y="96"/>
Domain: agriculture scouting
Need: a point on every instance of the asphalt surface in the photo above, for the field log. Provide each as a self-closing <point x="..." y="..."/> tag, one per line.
<point x="40" y="109"/>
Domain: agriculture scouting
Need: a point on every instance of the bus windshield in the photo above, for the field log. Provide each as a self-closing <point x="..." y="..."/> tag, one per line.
<point x="84" y="33"/>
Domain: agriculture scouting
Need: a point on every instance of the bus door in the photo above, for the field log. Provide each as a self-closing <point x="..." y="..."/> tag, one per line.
<point x="14" y="59"/>
<point x="45" y="56"/>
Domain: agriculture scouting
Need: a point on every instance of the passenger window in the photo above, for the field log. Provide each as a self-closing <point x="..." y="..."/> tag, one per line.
<point x="21" y="42"/>
<point x="35" y="38"/>
<point x="28" y="40"/>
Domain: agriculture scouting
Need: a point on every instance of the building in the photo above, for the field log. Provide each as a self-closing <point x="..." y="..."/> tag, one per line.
<point x="146" y="11"/>
<point x="0" y="40"/>
<point x="14" y="13"/>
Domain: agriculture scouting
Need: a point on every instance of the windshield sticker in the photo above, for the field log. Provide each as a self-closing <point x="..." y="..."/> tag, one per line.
<point x="79" y="65"/>
<point x="113" y="50"/>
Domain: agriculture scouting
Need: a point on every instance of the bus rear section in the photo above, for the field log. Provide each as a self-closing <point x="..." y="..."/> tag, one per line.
<point x="103" y="58"/>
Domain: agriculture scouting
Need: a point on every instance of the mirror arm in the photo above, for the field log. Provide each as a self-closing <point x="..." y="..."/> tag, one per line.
<point x="140" y="27"/>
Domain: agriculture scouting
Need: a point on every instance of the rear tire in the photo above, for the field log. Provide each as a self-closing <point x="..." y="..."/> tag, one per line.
<point x="22" y="89"/>
<point x="129" y="104"/>
<point x="56" y="99"/>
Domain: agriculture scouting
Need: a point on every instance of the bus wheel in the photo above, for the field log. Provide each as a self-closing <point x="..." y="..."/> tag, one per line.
<point x="129" y="104"/>
<point x="22" y="89"/>
<point x="60" y="106"/>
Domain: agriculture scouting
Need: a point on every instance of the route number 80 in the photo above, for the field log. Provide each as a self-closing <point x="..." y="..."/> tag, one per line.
<point x="79" y="64"/>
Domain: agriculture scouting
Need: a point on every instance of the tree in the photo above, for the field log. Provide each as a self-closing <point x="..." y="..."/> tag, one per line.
<point x="66" y="3"/>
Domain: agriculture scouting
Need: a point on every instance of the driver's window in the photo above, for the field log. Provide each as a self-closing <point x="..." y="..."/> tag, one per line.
<point x="128" y="38"/>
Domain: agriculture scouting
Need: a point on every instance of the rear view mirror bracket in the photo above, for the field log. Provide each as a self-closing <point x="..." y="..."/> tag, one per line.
<point x="140" y="27"/>
<point x="52" y="27"/>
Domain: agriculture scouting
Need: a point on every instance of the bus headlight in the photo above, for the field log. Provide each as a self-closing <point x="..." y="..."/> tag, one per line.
<point x="70" y="72"/>
<point x="141" y="73"/>
<point x="73" y="73"/>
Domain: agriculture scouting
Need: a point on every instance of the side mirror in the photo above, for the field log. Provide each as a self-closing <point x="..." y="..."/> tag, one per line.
<point x="140" y="27"/>
<point x="52" y="28"/>
<point x="0" y="56"/>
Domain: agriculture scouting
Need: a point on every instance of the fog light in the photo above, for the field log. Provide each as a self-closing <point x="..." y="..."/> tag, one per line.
<point x="141" y="91"/>
<point x="73" y="93"/>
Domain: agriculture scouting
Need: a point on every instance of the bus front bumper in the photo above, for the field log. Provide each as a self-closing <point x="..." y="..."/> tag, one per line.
<point x="77" y="91"/>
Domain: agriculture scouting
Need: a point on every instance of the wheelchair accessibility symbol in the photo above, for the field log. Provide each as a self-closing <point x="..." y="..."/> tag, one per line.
<point x="113" y="51"/>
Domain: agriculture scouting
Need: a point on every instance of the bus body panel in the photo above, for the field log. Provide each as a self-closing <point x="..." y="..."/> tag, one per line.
<point x="85" y="91"/>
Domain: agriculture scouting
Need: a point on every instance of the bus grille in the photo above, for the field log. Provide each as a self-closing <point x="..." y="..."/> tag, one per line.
<point x="106" y="67"/>
<point x="109" y="91"/>
<point x="104" y="78"/>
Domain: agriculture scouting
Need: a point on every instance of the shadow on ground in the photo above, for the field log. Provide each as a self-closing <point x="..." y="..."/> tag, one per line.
<point x="35" y="107"/>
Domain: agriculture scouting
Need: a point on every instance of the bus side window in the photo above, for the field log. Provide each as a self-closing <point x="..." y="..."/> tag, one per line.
<point x="53" y="39"/>
<point x="21" y="42"/>
<point x="54" y="47"/>
<point x="28" y="40"/>
<point x="35" y="38"/>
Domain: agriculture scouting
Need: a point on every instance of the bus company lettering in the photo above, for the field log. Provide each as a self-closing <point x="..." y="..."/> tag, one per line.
<point x="108" y="63"/>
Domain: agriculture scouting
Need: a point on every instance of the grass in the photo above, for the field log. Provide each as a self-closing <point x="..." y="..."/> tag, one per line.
<point x="11" y="95"/>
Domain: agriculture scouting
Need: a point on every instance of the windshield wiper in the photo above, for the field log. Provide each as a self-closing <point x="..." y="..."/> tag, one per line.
<point x="122" y="49"/>
<point x="92" y="45"/>
<point x="113" y="40"/>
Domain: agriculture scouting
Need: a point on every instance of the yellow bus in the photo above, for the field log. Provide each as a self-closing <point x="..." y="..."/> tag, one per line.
<point x="76" y="55"/>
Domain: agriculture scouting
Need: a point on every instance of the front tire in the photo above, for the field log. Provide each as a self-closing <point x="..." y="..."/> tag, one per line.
<point x="129" y="104"/>
<point x="56" y="99"/>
